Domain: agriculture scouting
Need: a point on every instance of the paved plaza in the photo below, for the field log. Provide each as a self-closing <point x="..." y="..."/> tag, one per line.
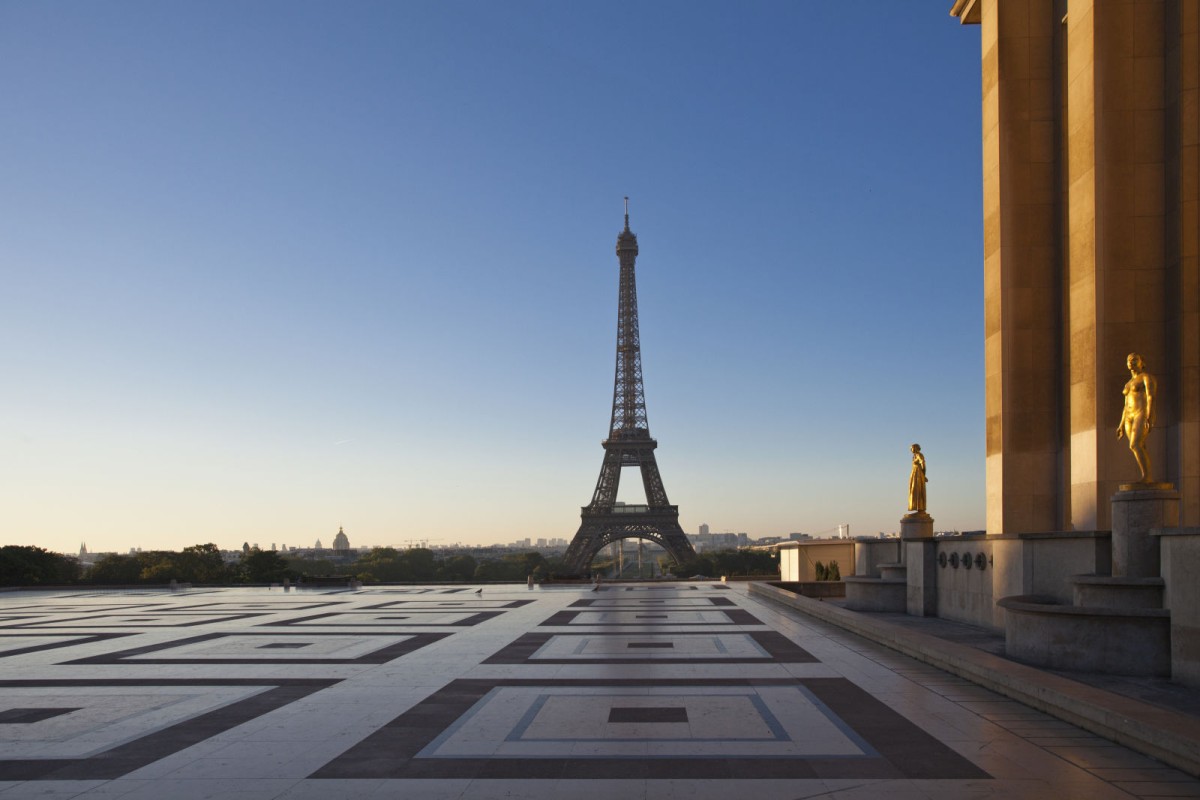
<point x="693" y="690"/>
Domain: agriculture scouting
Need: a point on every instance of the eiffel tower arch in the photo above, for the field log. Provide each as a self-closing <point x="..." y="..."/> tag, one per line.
<point x="628" y="445"/>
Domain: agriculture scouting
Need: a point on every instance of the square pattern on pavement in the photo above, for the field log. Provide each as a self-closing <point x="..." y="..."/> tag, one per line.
<point x="693" y="690"/>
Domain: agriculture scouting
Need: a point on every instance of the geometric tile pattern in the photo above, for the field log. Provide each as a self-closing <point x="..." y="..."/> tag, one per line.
<point x="731" y="728"/>
<point x="428" y="618"/>
<point x="651" y="616"/>
<point x="15" y="644"/>
<point x="109" y="728"/>
<point x="271" y="648"/>
<point x="682" y="647"/>
<point x="652" y="690"/>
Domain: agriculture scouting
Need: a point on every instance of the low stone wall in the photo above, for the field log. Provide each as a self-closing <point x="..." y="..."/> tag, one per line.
<point x="1110" y="641"/>
<point x="1180" y="553"/>
<point x="813" y="588"/>
<point x="1007" y="565"/>
<point x="797" y="560"/>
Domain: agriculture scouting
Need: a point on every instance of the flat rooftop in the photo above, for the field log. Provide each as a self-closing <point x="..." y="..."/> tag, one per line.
<point x="685" y="690"/>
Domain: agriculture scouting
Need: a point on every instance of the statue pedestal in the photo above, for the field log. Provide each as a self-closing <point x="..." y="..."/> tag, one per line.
<point x="916" y="543"/>
<point x="917" y="525"/>
<point x="1135" y="553"/>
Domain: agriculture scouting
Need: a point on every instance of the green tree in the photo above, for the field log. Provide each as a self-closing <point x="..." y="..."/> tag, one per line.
<point x="457" y="568"/>
<point x="202" y="563"/>
<point x="26" y="565"/>
<point x="115" y="569"/>
<point x="264" y="566"/>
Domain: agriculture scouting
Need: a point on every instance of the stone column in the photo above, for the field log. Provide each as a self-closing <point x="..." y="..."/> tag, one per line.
<point x="1135" y="553"/>
<point x="1022" y="280"/>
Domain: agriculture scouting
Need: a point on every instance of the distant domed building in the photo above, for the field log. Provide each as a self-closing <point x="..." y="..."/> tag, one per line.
<point x="341" y="542"/>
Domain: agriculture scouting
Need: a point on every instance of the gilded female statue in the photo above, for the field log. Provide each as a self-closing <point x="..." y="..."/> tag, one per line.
<point x="917" y="481"/>
<point x="1137" y="417"/>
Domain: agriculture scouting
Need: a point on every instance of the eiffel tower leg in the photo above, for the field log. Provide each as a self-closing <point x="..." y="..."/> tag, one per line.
<point x="585" y="545"/>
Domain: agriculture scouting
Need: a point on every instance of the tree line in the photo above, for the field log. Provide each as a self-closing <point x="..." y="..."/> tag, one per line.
<point x="22" y="565"/>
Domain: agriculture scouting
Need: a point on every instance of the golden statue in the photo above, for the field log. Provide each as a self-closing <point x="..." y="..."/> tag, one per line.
<point x="1137" y="417"/>
<point x="916" y="482"/>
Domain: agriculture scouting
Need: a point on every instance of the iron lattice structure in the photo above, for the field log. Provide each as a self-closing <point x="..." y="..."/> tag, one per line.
<point x="628" y="445"/>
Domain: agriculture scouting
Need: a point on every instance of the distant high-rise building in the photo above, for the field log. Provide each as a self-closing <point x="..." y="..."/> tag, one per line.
<point x="541" y="543"/>
<point x="704" y="529"/>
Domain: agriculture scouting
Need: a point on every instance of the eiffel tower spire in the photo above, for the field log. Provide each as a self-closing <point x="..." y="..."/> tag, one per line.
<point x="628" y="444"/>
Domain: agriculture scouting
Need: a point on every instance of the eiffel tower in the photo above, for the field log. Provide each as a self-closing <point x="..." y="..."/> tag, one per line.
<point x="628" y="445"/>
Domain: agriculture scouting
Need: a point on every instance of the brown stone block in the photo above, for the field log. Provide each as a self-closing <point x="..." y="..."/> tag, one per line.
<point x="991" y="110"/>
<point x="990" y="73"/>
<point x="1022" y="308"/>
<point x="1148" y="83"/>
<point x="1114" y="28"/>
<point x="1020" y="440"/>
<point x="1114" y="244"/>
<point x="1119" y="285"/>
<point x="1041" y="57"/>
<point x="1150" y="295"/>
<point x="1149" y="28"/>
<point x="1042" y="145"/>
<point x="1013" y="21"/>
<point x="1082" y="356"/>
<point x="1014" y="143"/>
<point x="1115" y="138"/>
<point x="1018" y="356"/>
<point x="1080" y="43"/>
<point x="1189" y="128"/>
<point x="1083" y="406"/>
<point x="1189" y="230"/>
<point x="995" y="439"/>
<point x="1081" y="155"/>
<point x="1036" y="227"/>
<point x="1081" y="100"/>
<point x="991" y="232"/>
<point x="1189" y="283"/>
<point x="1149" y="243"/>
<point x="1115" y="84"/>
<point x="1147" y="136"/>
<point x="1149" y="189"/>
<point x="1082" y="263"/>
<point x="1041" y="99"/>
<point x="1189" y="58"/>
<point x="1082" y="209"/>
<point x="1014" y="59"/>
<point x="1045" y="355"/>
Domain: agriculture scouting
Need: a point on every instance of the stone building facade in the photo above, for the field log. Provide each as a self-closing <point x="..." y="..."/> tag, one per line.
<point x="1091" y="205"/>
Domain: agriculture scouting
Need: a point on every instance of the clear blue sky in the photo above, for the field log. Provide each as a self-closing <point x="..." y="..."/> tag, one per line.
<point x="275" y="267"/>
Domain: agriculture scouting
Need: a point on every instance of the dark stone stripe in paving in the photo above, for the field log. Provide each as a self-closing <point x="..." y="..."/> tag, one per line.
<point x="346" y="618"/>
<point x="125" y="758"/>
<point x="97" y="621"/>
<point x="736" y="616"/>
<point x="70" y="642"/>
<point x="380" y="656"/>
<point x="589" y="602"/>
<point x="779" y="648"/>
<point x="447" y="605"/>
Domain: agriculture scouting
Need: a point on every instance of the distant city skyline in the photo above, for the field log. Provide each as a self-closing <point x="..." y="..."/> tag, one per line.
<point x="275" y="268"/>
